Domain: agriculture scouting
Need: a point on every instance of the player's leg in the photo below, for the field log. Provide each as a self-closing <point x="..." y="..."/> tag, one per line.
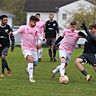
<point x="40" y="51"/>
<point x="93" y="62"/>
<point x="79" y="63"/>
<point x="56" y="70"/>
<point x="4" y="62"/>
<point x="3" y="66"/>
<point x="54" y="49"/>
<point x="27" y="54"/>
<point x="94" y="67"/>
<point x="63" y="56"/>
<point x="49" y="48"/>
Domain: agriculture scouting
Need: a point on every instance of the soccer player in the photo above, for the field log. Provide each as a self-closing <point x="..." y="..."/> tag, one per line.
<point x="5" y="29"/>
<point x="66" y="47"/>
<point x="40" y="24"/>
<point x="29" y="38"/>
<point x="51" y="30"/>
<point x="89" y="53"/>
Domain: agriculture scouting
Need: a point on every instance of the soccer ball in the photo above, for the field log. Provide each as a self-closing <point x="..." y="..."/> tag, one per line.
<point x="63" y="79"/>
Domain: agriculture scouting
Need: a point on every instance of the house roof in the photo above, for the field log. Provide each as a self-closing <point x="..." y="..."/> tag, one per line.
<point x="6" y="13"/>
<point x="46" y="5"/>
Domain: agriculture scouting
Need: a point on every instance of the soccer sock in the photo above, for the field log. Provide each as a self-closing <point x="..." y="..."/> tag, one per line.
<point x="3" y="66"/>
<point x="40" y="53"/>
<point x="57" y="69"/>
<point x="4" y="63"/>
<point x="62" y="69"/>
<point x="50" y="53"/>
<point x="54" y="52"/>
<point x="84" y="72"/>
<point x="30" y="70"/>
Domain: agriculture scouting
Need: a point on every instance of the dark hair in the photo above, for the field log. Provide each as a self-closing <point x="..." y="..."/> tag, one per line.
<point x="3" y="16"/>
<point x="92" y="26"/>
<point x="34" y="18"/>
<point x="73" y="23"/>
<point x="37" y="14"/>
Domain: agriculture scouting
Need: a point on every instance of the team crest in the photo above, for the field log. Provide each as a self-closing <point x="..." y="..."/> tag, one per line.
<point x="6" y="30"/>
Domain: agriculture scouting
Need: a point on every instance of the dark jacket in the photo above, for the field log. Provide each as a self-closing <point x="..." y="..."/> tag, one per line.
<point x="51" y="29"/>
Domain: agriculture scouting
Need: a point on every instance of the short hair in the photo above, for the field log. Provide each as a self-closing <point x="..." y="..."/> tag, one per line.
<point x="73" y="23"/>
<point x="37" y="14"/>
<point x="92" y="26"/>
<point x="34" y="18"/>
<point x="3" y="16"/>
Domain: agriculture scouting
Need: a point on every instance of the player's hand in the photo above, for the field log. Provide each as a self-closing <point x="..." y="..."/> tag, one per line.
<point x="84" y="26"/>
<point x="10" y="33"/>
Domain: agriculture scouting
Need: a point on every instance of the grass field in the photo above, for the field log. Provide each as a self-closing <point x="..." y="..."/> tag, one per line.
<point x="18" y="85"/>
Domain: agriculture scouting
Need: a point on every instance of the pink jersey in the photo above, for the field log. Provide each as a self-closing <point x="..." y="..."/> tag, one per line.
<point x="40" y="24"/>
<point x="69" y="41"/>
<point x="29" y="37"/>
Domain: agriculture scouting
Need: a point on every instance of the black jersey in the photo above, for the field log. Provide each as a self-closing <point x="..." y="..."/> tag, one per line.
<point x="51" y="29"/>
<point x="90" y="44"/>
<point x="4" y="37"/>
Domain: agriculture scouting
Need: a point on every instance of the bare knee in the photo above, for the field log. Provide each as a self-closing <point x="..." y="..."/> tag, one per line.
<point x="30" y="59"/>
<point x="78" y="61"/>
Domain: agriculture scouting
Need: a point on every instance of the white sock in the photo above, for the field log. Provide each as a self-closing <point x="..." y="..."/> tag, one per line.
<point x="57" y="69"/>
<point x="30" y="70"/>
<point x="62" y="69"/>
<point x="40" y="53"/>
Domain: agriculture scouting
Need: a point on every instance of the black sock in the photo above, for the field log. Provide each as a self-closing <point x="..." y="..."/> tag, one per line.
<point x="3" y="66"/>
<point x="54" y="52"/>
<point x="84" y="72"/>
<point x="50" y="53"/>
<point x="4" y="62"/>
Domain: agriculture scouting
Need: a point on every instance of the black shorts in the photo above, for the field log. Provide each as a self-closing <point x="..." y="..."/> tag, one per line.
<point x="3" y="51"/>
<point x="89" y="58"/>
<point x="50" y="41"/>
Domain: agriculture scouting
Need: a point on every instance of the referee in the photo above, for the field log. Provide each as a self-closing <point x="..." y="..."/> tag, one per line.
<point x="51" y="30"/>
<point x="5" y="43"/>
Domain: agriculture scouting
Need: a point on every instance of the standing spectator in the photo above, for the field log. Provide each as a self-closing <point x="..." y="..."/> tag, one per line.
<point x="51" y="30"/>
<point x="29" y="38"/>
<point x="89" y="53"/>
<point x="5" y="29"/>
<point x="40" y="24"/>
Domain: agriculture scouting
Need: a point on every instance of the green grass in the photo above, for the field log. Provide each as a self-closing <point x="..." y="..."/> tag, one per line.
<point x="18" y="85"/>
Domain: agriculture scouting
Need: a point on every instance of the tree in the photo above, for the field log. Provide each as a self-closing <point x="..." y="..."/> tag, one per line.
<point x="15" y="7"/>
<point x="87" y="16"/>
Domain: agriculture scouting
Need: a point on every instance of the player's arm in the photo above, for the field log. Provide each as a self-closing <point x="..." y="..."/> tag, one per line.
<point x="88" y="33"/>
<point x="57" y="27"/>
<point x="13" y="42"/>
<point x="81" y="34"/>
<point x="12" y="39"/>
<point x="45" y="27"/>
<point x="58" y="40"/>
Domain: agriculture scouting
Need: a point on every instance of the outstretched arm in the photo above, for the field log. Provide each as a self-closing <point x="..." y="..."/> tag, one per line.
<point x="81" y="34"/>
<point x="58" y="40"/>
<point x="88" y="33"/>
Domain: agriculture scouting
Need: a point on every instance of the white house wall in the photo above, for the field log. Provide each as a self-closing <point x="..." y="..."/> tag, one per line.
<point x="10" y="21"/>
<point x="69" y="9"/>
<point x="44" y="15"/>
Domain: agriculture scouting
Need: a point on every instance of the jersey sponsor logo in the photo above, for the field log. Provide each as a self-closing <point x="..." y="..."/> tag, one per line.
<point x="54" y="24"/>
<point x="2" y="37"/>
<point x="6" y="30"/>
